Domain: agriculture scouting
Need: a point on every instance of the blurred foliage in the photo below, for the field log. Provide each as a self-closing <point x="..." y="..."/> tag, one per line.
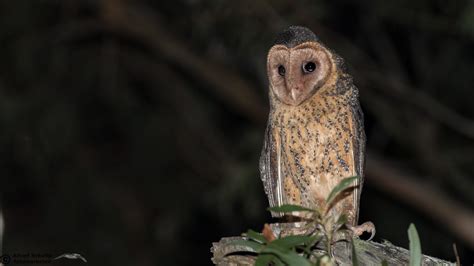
<point x="123" y="140"/>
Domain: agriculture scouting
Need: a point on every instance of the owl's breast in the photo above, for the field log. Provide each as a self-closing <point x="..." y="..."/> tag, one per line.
<point x="316" y="148"/>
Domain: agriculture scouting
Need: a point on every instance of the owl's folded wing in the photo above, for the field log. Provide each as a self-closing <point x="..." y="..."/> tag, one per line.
<point x="358" y="147"/>
<point x="270" y="171"/>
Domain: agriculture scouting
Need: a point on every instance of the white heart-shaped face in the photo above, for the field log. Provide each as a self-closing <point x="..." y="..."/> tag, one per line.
<point x="297" y="73"/>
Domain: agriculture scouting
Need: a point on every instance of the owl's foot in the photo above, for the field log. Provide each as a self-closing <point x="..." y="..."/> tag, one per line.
<point x="368" y="227"/>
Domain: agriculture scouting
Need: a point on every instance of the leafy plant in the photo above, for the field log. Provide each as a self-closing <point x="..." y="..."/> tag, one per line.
<point x="320" y="227"/>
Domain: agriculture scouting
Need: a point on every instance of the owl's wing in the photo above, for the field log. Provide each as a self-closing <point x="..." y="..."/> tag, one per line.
<point x="270" y="168"/>
<point x="359" y="146"/>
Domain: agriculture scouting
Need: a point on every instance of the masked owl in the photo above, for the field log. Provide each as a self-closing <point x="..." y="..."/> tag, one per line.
<point x="315" y="135"/>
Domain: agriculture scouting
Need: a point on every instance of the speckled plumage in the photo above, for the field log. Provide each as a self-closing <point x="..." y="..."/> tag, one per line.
<point x="310" y="146"/>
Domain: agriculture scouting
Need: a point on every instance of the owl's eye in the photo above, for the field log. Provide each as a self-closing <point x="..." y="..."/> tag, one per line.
<point x="309" y="67"/>
<point x="281" y="70"/>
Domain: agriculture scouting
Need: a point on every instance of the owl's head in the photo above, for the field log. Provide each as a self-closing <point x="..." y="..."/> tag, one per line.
<point x="298" y="65"/>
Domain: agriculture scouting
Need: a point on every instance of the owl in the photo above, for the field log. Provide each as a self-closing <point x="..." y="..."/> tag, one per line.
<point x="315" y="135"/>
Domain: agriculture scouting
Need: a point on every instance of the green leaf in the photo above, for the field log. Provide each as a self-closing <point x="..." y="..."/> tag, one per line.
<point x="255" y="236"/>
<point x="290" y="242"/>
<point x="415" y="247"/>
<point x="289" y="208"/>
<point x="265" y="259"/>
<point x="277" y="262"/>
<point x="343" y="185"/>
<point x="355" y="261"/>
<point x="342" y="220"/>
<point x="311" y="242"/>
<point x="340" y="224"/>
<point x="287" y="256"/>
<point x="254" y="246"/>
<point x="384" y="263"/>
<point x="314" y="239"/>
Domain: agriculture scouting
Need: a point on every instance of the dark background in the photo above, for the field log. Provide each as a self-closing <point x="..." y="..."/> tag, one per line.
<point x="131" y="130"/>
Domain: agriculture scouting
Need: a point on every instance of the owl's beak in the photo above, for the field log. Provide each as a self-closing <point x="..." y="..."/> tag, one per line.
<point x="295" y="93"/>
<point x="294" y="85"/>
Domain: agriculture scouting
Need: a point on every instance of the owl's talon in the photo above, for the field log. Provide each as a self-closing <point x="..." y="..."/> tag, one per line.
<point x="368" y="227"/>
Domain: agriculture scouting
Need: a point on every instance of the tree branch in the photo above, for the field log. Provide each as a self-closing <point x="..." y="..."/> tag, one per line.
<point x="368" y="253"/>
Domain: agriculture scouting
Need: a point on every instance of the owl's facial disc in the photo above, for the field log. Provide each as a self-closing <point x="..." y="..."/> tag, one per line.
<point x="297" y="73"/>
